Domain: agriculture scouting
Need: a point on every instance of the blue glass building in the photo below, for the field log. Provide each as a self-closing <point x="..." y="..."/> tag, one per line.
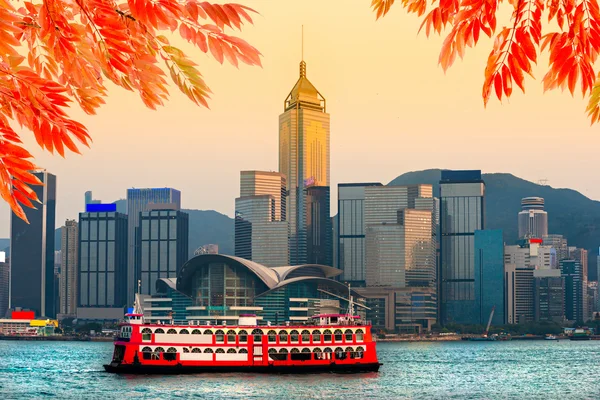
<point x="461" y="214"/>
<point x="489" y="276"/>
<point x="102" y="258"/>
<point x="137" y="202"/>
<point x="572" y="272"/>
<point x="32" y="283"/>
<point x="162" y="239"/>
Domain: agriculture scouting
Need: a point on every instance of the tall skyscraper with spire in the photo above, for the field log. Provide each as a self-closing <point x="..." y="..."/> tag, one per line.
<point x="303" y="156"/>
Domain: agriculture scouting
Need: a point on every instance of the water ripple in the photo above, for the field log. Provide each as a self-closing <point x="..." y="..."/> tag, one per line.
<point x="463" y="370"/>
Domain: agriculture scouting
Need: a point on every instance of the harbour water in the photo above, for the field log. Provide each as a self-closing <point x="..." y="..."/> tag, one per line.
<point x="452" y="370"/>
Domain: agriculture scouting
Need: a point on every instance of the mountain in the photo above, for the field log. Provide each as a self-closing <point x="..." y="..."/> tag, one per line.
<point x="569" y="212"/>
<point x="210" y="227"/>
<point x="206" y="227"/>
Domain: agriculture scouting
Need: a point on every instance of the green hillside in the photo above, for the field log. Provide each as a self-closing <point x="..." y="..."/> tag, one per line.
<point x="569" y="212"/>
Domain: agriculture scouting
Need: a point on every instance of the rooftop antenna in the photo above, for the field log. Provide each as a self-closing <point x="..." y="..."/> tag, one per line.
<point x="302" y="42"/>
<point x="302" y="63"/>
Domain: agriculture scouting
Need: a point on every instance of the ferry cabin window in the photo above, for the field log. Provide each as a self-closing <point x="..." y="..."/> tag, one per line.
<point x="220" y="336"/>
<point x="272" y="335"/>
<point x="231" y="336"/>
<point x="146" y="336"/>
<point x="327" y="335"/>
<point x="305" y="336"/>
<point x="243" y="337"/>
<point x="294" y="336"/>
<point x="283" y="336"/>
<point x="257" y="333"/>
<point x="348" y="335"/>
<point x="316" y="336"/>
<point x="338" y="335"/>
<point x="359" y="335"/>
<point x="147" y="353"/>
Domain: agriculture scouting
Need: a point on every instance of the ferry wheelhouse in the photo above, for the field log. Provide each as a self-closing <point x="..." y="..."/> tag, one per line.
<point x="327" y="342"/>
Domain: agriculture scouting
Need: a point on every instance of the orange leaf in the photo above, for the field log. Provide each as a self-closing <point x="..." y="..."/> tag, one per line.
<point x="498" y="86"/>
<point x="215" y="49"/>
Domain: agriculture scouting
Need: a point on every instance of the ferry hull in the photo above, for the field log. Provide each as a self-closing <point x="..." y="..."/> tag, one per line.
<point x="271" y="369"/>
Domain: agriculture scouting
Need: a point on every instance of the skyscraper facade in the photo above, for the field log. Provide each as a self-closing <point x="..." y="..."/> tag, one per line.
<point x="69" y="257"/>
<point x="489" y="277"/>
<point x="319" y="239"/>
<point x="261" y="228"/>
<point x="163" y="246"/>
<point x="533" y="220"/>
<point x="461" y="214"/>
<point x="350" y="230"/>
<point x="257" y="236"/>
<point x="572" y="273"/>
<point x="137" y="202"/>
<point x="520" y="262"/>
<point x="549" y="292"/>
<point x="32" y="252"/>
<point x="256" y="183"/>
<point x="304" y="156"/>
<point x="102" y="261"/>
<point x="401" y="254"/>
<point x="559" y="243"/>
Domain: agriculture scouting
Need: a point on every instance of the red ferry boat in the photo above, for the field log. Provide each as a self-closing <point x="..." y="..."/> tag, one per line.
<point x="328" y="343"/>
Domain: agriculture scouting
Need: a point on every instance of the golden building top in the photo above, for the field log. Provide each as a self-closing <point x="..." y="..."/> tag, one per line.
<point x="304" y="94"/>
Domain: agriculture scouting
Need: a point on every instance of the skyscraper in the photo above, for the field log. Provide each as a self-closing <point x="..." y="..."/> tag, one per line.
<point x="461" y="214"/>
<point x="163" y="246"/>
<point x="351" y="232"/>
<point x="303" y="156"/>
<point x="520" y="262"/>
<point x="401" y="254"/>
<point x="533" y="220"/>
<point x="572" y="273"/>
<point x="489" y="276"/>
<point x="319" y="240"/>
<point x="368" y="204"/>
<point x="68" y="267"/>
<point x="102" y="282"/>
<point x="549" y="292"/>
<point x="32" y="252"/>
<point x="137" y="201"/>
<point x="261" y="230"/>
<point x="559" y="243"/>
<point x="257" y="183"/>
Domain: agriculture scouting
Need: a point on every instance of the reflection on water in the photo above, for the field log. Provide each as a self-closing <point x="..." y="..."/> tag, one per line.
<point x="464" y="370"/>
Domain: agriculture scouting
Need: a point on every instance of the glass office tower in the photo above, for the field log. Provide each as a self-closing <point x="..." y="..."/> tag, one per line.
<point x="461" y="214"/>
<point x="32" y="252"/>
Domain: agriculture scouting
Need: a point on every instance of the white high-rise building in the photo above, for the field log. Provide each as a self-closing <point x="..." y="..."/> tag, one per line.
<point x="520" y="262"/>
<point x="533" y="220"/>
<point x="261" y="227"/>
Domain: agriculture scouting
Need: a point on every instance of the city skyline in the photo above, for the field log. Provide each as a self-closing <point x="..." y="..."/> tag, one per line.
<point x="392" y="106"/>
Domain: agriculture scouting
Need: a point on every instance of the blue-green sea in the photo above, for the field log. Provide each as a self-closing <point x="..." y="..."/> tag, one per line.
<point x="461" y="370"/>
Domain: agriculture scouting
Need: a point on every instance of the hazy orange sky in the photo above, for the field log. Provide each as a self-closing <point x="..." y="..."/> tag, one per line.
<point x="392" y="111"/>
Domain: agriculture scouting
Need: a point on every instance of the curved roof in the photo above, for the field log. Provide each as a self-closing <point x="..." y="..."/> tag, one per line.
<point x="265" y="274"/>
<point x="164" y="283"/>
<point x="337" y="284"/>
<point x="328" y="272"/>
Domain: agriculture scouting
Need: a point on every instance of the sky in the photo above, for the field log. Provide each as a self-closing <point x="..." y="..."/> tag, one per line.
<point x="393" y="110"/>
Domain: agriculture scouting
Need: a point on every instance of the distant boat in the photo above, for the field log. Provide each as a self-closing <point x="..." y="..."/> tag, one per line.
<point x="550" y="337"/>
